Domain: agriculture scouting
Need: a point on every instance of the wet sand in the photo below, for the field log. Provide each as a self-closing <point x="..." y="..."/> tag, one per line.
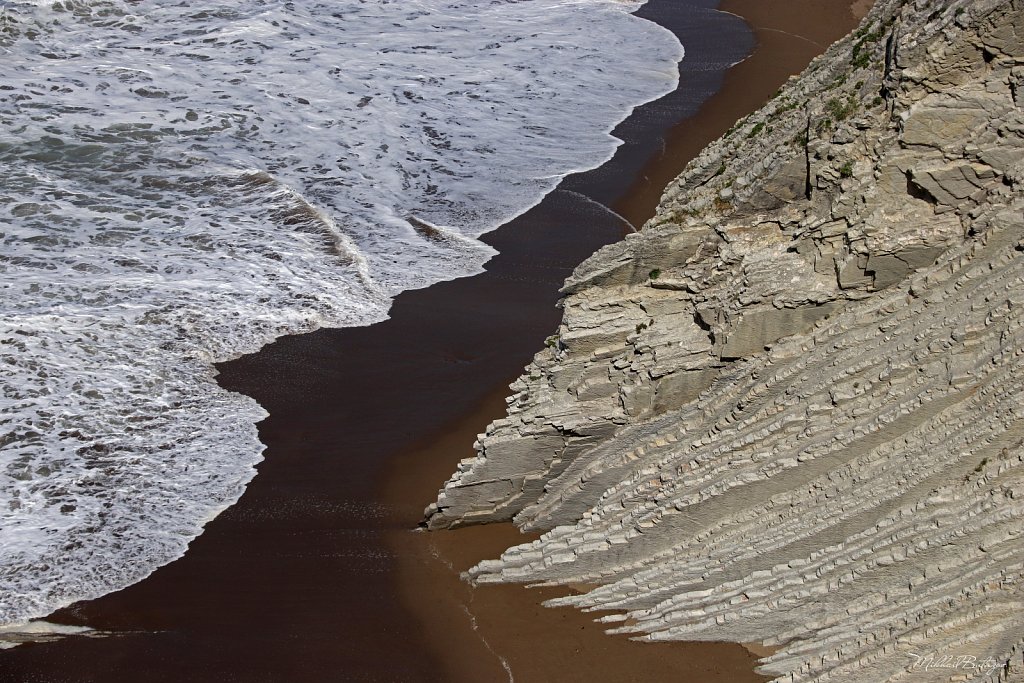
<point x="315" y="575"/>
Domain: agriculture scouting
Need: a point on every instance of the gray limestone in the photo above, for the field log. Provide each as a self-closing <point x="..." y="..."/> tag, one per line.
<point x="789" y="409"/>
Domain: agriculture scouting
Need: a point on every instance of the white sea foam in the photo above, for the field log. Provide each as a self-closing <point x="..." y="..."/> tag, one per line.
<point x="181" y="185"/>
<point x="12" y="635"/>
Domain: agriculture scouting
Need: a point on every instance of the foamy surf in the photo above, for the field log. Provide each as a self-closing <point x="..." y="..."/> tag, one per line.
<point x="180" y="186"/>
<point x="13" y="635"/>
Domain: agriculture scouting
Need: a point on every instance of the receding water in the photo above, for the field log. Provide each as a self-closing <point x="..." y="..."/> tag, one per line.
<point x="179" y="186"/>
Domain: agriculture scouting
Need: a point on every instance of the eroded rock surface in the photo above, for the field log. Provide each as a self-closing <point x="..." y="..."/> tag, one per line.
<point x="790" y="409"/>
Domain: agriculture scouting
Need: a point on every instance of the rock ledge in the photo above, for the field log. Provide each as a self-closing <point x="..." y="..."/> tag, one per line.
<point x="789" y="410"/>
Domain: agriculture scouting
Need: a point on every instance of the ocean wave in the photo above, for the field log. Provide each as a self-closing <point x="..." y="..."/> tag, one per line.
<point x="180" y="186"/>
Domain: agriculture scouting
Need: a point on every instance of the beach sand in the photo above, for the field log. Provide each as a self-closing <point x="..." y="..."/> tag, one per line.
<point x="315" y="574"/>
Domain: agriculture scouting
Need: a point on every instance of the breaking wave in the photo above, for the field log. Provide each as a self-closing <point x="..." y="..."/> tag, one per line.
<point x="179" y="186"/>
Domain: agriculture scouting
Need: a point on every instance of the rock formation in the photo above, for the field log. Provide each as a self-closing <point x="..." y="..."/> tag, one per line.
<point x="789" y="410"/>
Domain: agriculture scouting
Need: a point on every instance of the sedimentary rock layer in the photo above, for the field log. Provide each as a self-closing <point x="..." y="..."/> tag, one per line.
<point x="789" y="409"/>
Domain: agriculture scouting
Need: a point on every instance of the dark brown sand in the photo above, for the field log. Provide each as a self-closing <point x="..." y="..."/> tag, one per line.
<point x="314" y="574"/>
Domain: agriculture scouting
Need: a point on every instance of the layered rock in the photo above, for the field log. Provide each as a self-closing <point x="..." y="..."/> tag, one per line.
<point x="789" y="410"/>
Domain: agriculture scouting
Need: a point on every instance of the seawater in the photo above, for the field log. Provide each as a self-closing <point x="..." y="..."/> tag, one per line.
<point x="180" y="185"/>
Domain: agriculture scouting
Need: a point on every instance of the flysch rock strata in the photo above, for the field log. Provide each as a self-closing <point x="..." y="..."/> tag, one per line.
<point x="791" y="409"/>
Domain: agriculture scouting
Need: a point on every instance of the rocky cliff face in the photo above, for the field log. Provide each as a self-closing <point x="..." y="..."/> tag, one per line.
<point x="790" y="410"/>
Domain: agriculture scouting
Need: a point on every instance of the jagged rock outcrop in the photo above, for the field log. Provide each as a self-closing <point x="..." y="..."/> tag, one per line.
<point x="789" y="410"/>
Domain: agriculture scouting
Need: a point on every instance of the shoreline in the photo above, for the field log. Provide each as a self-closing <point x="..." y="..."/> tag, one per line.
<point x="536" y="642"/>
<point x="298" y="580"/>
